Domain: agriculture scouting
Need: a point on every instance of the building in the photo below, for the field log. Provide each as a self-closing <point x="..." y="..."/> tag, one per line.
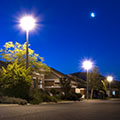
<point x="50" y="80"/>
<point x="81" y="82"/>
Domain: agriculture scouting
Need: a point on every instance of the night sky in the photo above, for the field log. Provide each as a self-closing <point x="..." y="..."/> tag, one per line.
<point x="67" y="34"/>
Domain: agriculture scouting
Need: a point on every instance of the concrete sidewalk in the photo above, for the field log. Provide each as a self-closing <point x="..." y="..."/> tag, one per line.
<point x="59" y="102"/>
<point x="43" y="103"/>
<point x="70" y="102"/>
<point x="6" y="105"/>
<point x="112" y="100"/>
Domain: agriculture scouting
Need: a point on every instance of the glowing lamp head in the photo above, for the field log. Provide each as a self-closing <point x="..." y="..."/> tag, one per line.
<point x="109" y="78"/>
<point x="27" y="23"/>
<point x="87" y="65"/>
<point x="92" y="14"/>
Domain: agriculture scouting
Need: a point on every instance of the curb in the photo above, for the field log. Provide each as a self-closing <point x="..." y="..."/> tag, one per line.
<point x="60" y="102"/>
<point x="43" y="103"/>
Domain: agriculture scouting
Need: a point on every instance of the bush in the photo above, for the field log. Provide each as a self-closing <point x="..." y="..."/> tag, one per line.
<point x="15" y="80"/>
<point x="12" y="100"/>
<point x="53" y="91"/>
<point x="102" y="94"/>
<point x="1" y="94"/>
<point x="37" y="96"/>
<point x="78" y="95"/>
<point x="47" y="98"/>
<point x="71" y="96"/>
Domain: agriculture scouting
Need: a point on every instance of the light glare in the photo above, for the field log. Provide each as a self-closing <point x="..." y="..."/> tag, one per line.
<point x="27" y="23"/>
<point x="92" y="14"/>
<point x="109" y="78"/>
<point x="87" y="65"/>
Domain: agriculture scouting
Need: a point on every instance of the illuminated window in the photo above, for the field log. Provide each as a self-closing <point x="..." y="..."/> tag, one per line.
<point x="113" y="92"/>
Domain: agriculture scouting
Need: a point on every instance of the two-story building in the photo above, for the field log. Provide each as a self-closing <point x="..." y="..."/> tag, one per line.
<point x="51" y="80"/>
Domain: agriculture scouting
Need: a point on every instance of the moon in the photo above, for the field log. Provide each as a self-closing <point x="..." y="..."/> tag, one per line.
<point x="92" y="14"/>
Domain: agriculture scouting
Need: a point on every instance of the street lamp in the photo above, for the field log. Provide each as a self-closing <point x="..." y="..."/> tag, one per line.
<point x="87" y="65"/>
<point x="27" y="23"/>
<point x="109" y="79"/>
<point x="92" y="14"/>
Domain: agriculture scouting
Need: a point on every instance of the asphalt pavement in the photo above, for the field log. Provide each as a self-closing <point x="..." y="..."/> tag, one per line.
<point x="83" y="110"/>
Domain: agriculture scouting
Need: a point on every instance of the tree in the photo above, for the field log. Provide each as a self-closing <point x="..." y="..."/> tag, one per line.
<point x="65" y="85"/>
<point x="104" y="82"/>
<point x="15" y="80"/>
<point x="95" y="81"/>
<point x="12" y="51"/>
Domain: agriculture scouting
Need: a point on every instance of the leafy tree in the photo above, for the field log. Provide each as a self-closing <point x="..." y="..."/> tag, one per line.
<point x="12" y="51"/>
<point x="15" y="80"/>
<point x="65" y="85"/>
<point x="95" y="81"/>
<point x="104" y="82"/>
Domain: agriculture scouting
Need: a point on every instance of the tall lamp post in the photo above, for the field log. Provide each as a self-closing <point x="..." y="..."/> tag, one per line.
<point x="27" y="23"/>
<point x="109" y="79"/>
<point x="87" y="65"/>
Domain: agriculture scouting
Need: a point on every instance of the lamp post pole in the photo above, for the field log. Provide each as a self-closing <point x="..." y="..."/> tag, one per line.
<point x="27" y="23"/>
<point x="109" y="79"/>
<point x="27" y="50"/>
<point x="87" y="84"/>
<point x="110" y="88"/>
<point x="87" y="65"/>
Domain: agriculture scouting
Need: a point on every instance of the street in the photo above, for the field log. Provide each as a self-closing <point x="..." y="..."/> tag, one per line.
<point x="83" y="110"/>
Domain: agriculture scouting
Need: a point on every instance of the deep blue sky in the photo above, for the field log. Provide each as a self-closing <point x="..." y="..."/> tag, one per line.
<point x="68" y="33"/>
